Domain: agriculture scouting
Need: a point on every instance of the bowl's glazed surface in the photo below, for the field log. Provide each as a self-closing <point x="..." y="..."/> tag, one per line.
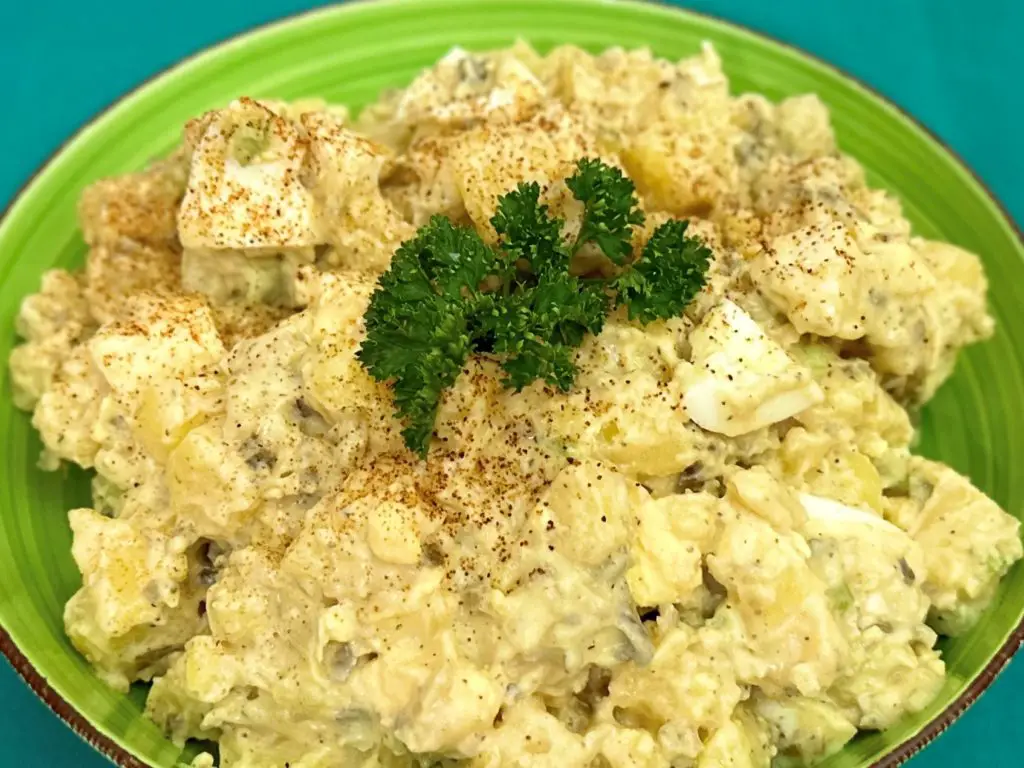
<point x="348" y="54"/>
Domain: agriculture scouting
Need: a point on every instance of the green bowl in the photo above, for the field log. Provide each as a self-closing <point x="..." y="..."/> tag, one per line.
<point x="348" y="54"/>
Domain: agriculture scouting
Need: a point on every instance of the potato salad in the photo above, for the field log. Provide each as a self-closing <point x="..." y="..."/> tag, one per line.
<point x="708" y="544"/>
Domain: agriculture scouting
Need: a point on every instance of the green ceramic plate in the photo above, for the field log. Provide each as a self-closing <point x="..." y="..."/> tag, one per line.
<point x="348" y="54"/>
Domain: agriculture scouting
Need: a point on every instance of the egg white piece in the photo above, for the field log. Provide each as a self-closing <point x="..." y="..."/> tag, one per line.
<point x="828" y="513"/>
<point x="744" y="380"/>
<point x="259" y="204"/>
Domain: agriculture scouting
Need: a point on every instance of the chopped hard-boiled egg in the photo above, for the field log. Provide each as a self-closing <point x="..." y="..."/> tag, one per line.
<point x="828" y="513"/>
<point x="245" y="185"/>
<point x="743" y="380"/>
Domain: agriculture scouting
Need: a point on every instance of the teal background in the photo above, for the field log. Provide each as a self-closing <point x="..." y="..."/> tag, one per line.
<point x="955" y="65"/>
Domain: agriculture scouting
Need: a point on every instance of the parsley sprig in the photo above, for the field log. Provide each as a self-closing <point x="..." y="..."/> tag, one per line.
<point x="447" y="294"/>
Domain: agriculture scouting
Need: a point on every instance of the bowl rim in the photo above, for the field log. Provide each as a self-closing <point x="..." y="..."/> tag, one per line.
<point x="118" y="754"/>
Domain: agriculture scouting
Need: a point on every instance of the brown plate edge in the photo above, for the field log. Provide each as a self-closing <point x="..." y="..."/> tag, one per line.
<point x="62" y="709"/>
<point x="897" y="757"/>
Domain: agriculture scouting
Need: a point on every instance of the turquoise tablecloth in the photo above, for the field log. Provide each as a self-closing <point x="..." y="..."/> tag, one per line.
<point x="955" y="64"/>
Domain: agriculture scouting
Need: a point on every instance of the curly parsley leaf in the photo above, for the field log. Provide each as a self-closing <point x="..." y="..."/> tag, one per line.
<point x="670" y="273"/>
<point x="610" y="206"/>
<point x="547" y="311"/>
<point x="538" y="326"/>
<point x="455" y="260"/>
<point x="433" y="351"/>
<point x="448" y="295"/>
<point x="527" y="232"/>
<point x="418" y="321"/>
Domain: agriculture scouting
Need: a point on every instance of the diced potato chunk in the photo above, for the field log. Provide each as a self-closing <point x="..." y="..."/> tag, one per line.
<point x="674" y="533"/>
<point x="130" y="571"/>
<point x="159" y="337"/>
<point x="490" y="160"/>
<point x="590" y="508"/>
<point x="969" y="543"/>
